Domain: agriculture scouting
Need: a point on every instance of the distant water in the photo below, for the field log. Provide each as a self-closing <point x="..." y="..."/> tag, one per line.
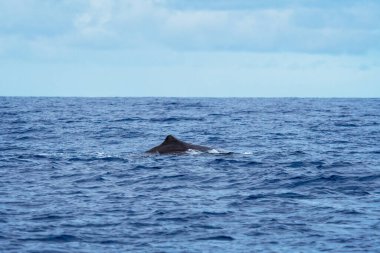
<point x="304" y="175"/>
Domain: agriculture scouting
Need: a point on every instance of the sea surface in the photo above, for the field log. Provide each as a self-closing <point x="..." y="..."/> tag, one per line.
<point x="288" y="175"/>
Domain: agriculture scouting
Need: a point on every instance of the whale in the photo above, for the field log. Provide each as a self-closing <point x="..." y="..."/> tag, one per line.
<point x="172" y="145"/>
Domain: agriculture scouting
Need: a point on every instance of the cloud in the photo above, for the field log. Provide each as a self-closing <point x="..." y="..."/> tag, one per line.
<point x="327" y="27"/>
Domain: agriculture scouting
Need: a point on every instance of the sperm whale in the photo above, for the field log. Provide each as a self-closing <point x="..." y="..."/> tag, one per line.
<point x="172" y="145"/>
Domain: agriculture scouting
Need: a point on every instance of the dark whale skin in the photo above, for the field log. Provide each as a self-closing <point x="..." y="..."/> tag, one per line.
<point x="172" y="145"/>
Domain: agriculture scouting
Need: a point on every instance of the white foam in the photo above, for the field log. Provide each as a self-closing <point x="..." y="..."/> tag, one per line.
<point x="213" y="151"/>
<point x="193" y="152"/>
<point x="219" y="152"/>
<point x="102" y="155"/>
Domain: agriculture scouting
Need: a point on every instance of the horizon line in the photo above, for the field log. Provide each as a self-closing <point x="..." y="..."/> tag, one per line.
<point x="186" y="97"/>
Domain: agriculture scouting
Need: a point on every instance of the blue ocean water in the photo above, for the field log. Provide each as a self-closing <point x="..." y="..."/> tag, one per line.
<point x="303" y="176"/>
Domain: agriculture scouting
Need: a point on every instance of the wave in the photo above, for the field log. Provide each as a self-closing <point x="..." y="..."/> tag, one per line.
<point x="175" y="119"/>
<point x="54" y="238"/>
<point x="286" y="195"/>
<point x="216" y="238"/>
<point x="131" y="119"/>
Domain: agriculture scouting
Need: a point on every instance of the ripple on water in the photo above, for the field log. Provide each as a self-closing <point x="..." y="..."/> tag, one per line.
<point x="216" y="238"/>
<point x="299" y="175"/>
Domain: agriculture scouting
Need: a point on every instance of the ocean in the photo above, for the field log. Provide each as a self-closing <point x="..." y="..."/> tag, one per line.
<point x="289" y="175"/>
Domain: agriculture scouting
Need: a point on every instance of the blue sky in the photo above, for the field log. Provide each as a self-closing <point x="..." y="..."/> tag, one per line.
<point x="212" y="48"/>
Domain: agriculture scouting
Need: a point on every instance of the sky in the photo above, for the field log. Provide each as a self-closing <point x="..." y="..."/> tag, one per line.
<point x="190" y="48"/>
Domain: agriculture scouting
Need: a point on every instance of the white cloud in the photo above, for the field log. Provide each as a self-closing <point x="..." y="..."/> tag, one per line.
<point x="350" y="29"/>
<point x="95" y="19"/>
<point x="343" y="27"/>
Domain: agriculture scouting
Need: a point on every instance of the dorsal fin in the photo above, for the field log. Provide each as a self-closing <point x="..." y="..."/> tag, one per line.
<point x="170" y="139"/>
